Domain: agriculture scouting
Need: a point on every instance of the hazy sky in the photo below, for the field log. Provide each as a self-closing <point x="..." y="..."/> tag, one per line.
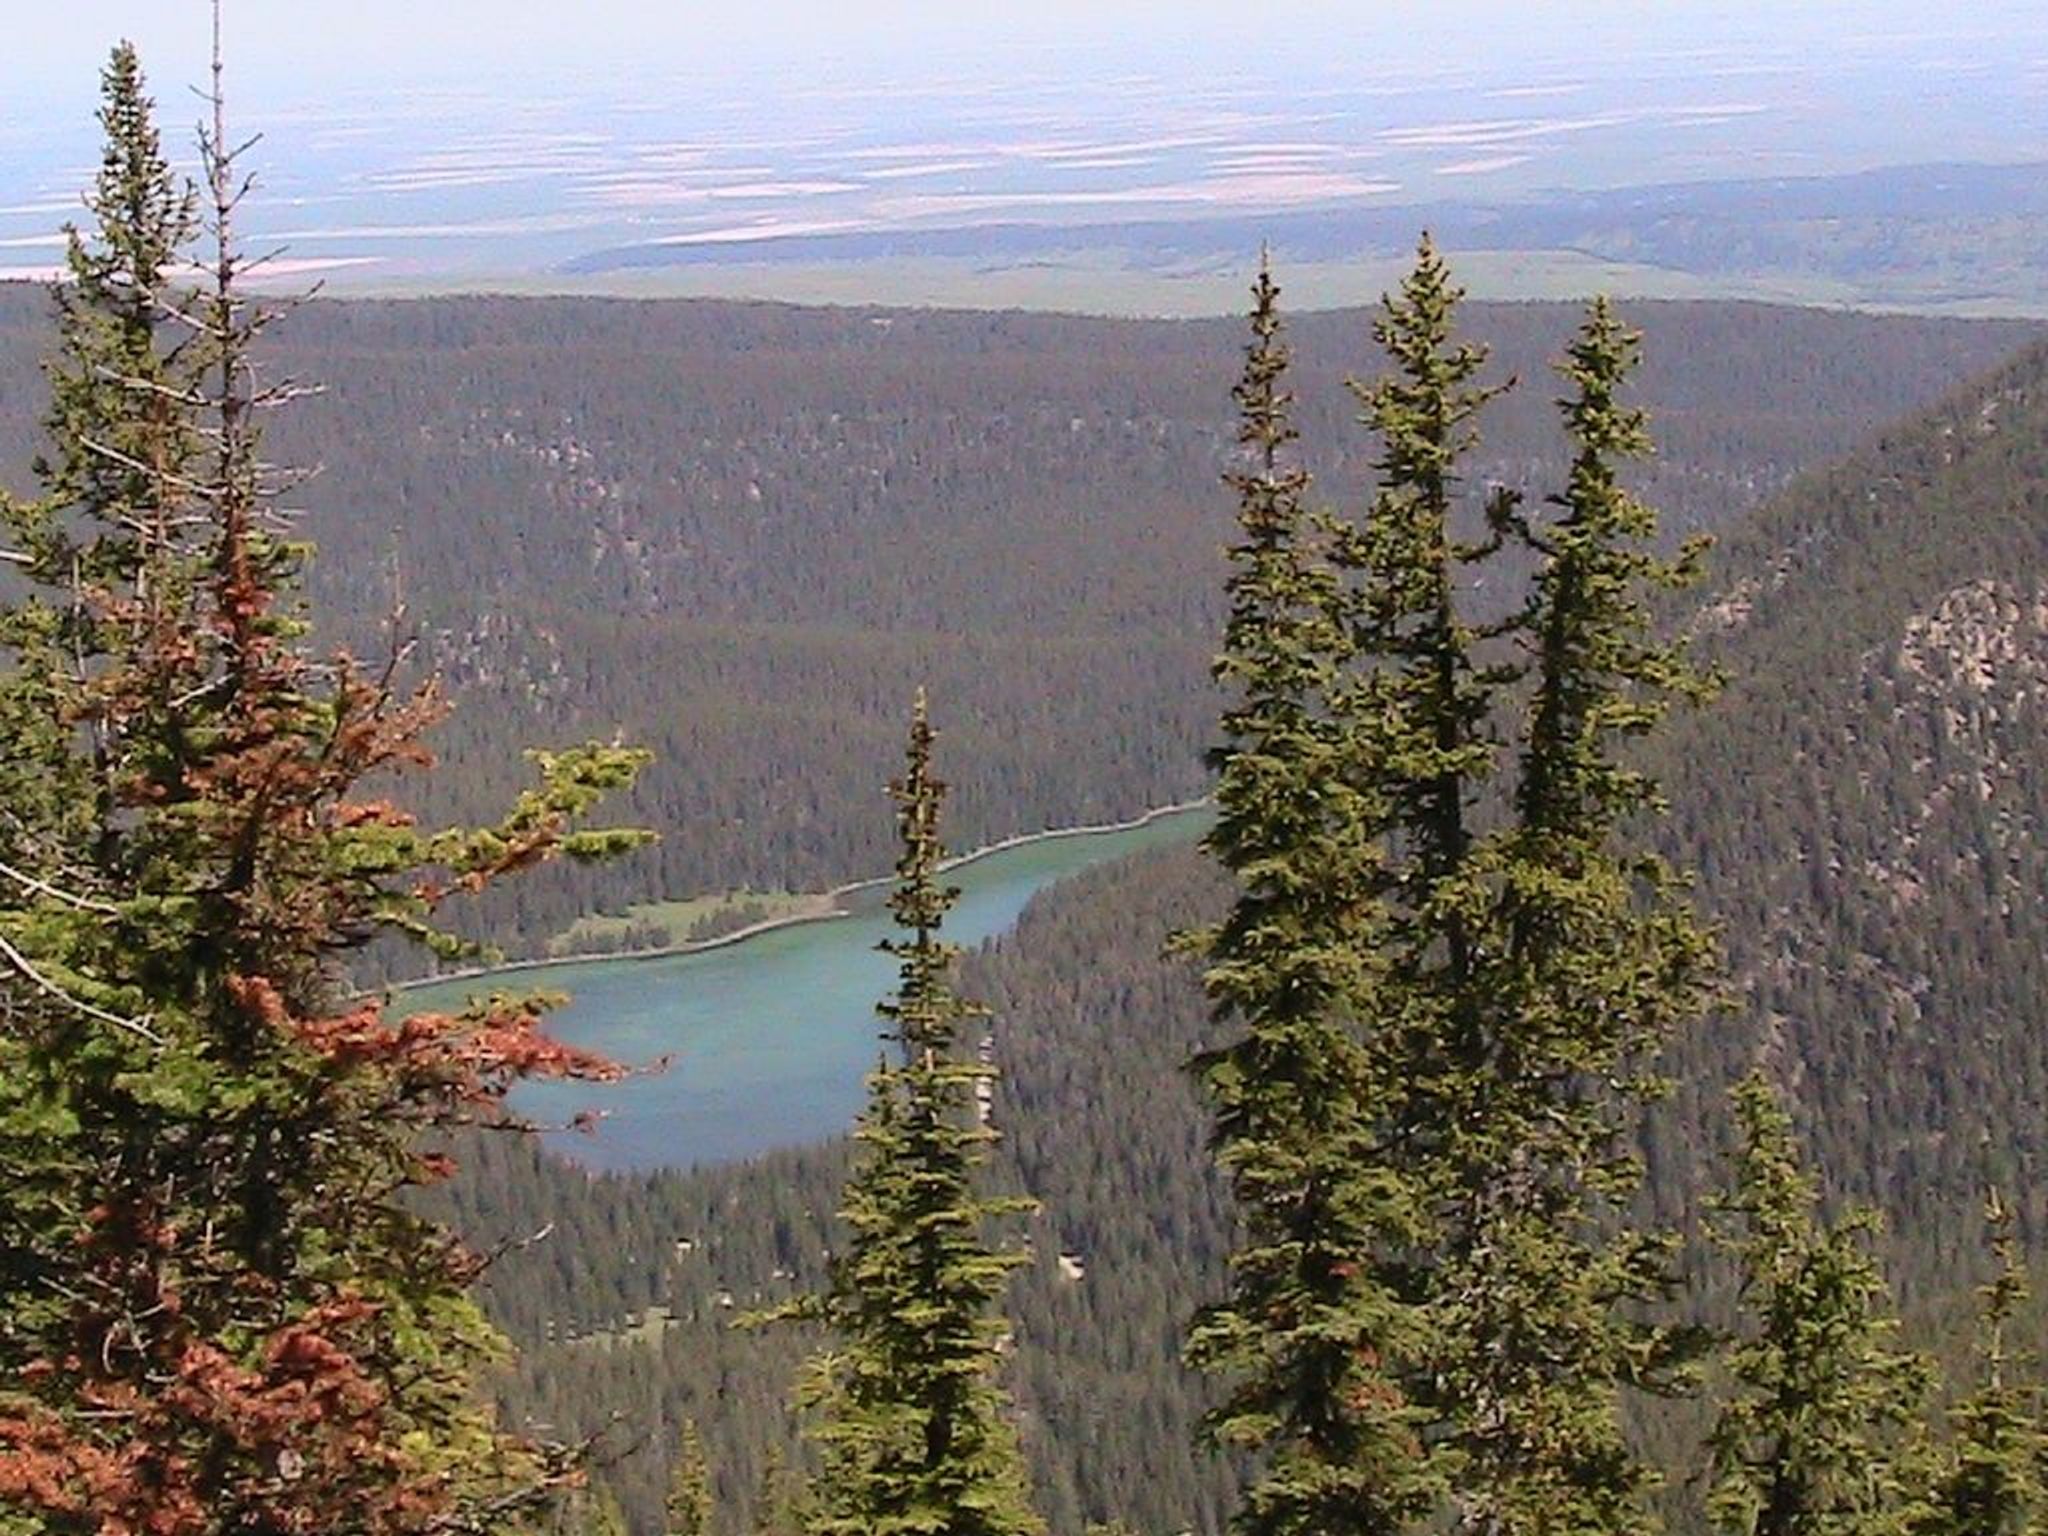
<point x="279" y="45"/>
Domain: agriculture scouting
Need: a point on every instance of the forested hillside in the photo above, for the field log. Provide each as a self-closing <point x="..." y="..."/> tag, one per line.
<point x="730" y="532"/>
<point x="1864" y="807"/>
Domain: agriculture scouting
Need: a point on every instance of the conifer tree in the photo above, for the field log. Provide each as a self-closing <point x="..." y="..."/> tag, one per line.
<point x="1588" y="960"/>
<point x="689" y="1503"/>
<point x="911" y="1416"/>
<point x="1309" y="1337"/>
<point x="1417" y="720"/>
<point x="119" y="428"/>
<point x="116" y="444"/>
<point x="95" y="548"/>
<point x="1807" y="1441"/>
<point x="1986" y="1479"/>
<point x="220" y="1314"/>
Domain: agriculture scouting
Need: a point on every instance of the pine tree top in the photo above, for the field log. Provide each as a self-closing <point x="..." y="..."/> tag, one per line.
<point x="925" y="1012"/>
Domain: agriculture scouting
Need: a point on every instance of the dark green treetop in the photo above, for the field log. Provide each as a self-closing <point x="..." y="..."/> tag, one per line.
<point x="1428" y="697"/>
<point x="109" y="540"/>
<point x="1418" y="715"/>
<point x="119" y="426"/>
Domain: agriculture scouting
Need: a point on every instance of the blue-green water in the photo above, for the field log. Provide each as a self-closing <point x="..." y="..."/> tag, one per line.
<point x="767" y="1040"/>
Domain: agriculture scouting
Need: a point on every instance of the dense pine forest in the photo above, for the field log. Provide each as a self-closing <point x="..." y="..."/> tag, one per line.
<point x="731" y="531"/>
<point x="1587" y="1079"/>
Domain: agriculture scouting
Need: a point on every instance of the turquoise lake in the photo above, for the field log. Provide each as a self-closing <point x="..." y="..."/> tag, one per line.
<point x="768" y="1039"/>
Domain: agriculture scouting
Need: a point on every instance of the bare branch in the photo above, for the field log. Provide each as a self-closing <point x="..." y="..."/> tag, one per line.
<point x="44" y="888"/>
<point x="273" y="395"/>
<point x="150" y="387"/>
<point x="49" y="988"/>
<point x="129" y="461"/>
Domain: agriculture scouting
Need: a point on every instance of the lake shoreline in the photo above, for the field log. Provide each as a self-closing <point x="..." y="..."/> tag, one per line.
<point x="832" y="913"/>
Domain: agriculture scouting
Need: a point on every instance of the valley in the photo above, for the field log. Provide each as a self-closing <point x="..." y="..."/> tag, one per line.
<point x="1863" y="806"/>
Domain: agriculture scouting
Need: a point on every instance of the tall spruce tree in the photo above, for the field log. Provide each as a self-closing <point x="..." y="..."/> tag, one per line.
<point x="98" y="544"/>
<point x="105" y="546"/>
<point x="911" y="1416"/>
<point x="1310" y="1336"/>
<point x="1418" y="716"/>
<point x="1986" y="1478"/>
<point x="221" y="1314"/>
<point x="119" y="429"/>
<point x="1417" y="713"/>
<point x="1590" y="956"/>
<point x="1808" y="1439"/>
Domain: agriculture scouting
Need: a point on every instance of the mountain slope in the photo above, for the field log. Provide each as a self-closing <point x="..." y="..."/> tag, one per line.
<point x="1867" y="803"/>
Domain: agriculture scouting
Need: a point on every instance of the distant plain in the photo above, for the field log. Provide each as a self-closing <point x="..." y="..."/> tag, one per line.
<point x="1753" y="167"/>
